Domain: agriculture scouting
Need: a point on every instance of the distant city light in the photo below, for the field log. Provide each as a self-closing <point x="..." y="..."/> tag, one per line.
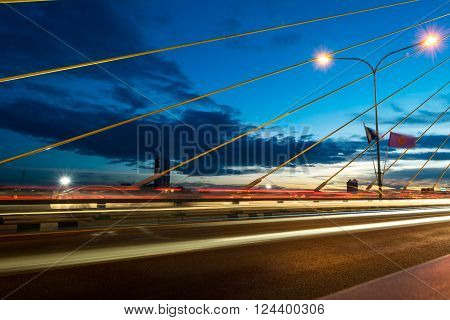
<point x="268" y="186"/>
<point x="65" y="181"/>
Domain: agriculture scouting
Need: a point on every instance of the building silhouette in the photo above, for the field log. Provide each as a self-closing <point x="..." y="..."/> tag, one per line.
<point x="161" y="164"/>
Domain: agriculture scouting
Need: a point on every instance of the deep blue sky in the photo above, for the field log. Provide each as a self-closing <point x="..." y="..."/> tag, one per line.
<point x="44" y="109"/>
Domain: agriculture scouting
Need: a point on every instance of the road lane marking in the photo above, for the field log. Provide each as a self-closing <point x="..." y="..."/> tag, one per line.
<point x="257" y="220"/>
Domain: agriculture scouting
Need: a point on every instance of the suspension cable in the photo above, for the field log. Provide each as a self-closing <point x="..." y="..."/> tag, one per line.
<point x="441" y="176"/>
<point x="407" y="149"/>
<point x="323" y="184"/>
<point x="425" y="163"/>
<point x="179" y="104"/>
<point x="215" y="39"/>
<point x="258" y="180"/>
<point x="267" y="123"/>
<point x="22" y="1"/>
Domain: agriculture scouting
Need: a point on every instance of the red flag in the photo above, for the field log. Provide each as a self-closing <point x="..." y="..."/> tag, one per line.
<point x="397" y="140"/>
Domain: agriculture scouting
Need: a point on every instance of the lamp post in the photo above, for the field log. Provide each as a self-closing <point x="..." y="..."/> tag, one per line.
<point x="324" y="59"/>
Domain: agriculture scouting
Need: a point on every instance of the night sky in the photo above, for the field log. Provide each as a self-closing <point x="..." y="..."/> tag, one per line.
<point x="41" y="110"/>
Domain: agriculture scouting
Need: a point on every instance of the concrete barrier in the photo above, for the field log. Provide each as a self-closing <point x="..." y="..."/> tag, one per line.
<point x="49" y="226"/>
<point x="28" y="227"/>
<point x="67" y="225"/>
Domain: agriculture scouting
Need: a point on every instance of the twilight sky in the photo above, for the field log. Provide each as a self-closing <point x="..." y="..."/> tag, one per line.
<point x="45" y="109"/>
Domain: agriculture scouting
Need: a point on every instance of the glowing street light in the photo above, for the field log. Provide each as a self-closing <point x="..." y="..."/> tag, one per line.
<point x="429" y="40"/>
<point x="323" y="59"/>
<point x="268" y="186"/>
<point x="65" y="181"/>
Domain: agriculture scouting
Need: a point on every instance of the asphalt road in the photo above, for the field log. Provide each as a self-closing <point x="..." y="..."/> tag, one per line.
<point x="282" y="258"/>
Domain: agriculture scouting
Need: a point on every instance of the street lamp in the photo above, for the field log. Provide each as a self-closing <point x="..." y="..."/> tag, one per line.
<point x="65" y="181"/>
<point x="324" y="59"/>
<point x="431" y="39"/>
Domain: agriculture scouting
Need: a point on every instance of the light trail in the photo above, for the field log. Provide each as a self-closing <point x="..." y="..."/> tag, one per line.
<point x="190" y="44"/>
<point x="295" y="204"/>
<point x="203" y="96"/>
<point x="389" y="211"/>
<point x="63" y="259"/>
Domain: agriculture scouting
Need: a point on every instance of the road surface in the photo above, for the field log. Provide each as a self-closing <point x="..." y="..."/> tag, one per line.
<point x="278" y="258"/>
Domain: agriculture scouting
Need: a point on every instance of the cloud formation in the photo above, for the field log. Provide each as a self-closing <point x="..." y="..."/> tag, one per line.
<point x="59" y="106"/>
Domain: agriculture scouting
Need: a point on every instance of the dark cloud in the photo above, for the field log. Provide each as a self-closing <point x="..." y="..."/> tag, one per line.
<point x="102" y="30"/>
<point x="55" y="122"/>
<point x="195" y="132"/>
<point x="55" y="107"/>
<point x="426" y="178"/>
<point x="419" y="117"/>
<point x="425" y="116"/>
<point x="49" y="91"/>
<point x="133" y="100"/>
<point x="395" y="107"/>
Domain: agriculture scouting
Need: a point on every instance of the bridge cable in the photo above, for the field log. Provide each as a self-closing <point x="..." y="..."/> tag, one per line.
<point x="195" y="43"/>
<point x="267" y="123"/>
<point x="441" y="176"/>
<point x="22" y="1"/>
<point x="323" y="184"/>
<point x="425" y="163"/>
<point x="407" y="149"/>
<point x="258" y="180"/>
<point x="197" y="98"/>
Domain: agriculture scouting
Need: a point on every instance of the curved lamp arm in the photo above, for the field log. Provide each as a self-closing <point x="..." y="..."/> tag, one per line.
<point x="360" y="60"/>
<point x="375" y="69"/>
<point x="394" y="52"/>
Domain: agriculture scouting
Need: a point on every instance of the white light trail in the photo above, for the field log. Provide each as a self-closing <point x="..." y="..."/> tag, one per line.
<point x="37" y="262"/>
